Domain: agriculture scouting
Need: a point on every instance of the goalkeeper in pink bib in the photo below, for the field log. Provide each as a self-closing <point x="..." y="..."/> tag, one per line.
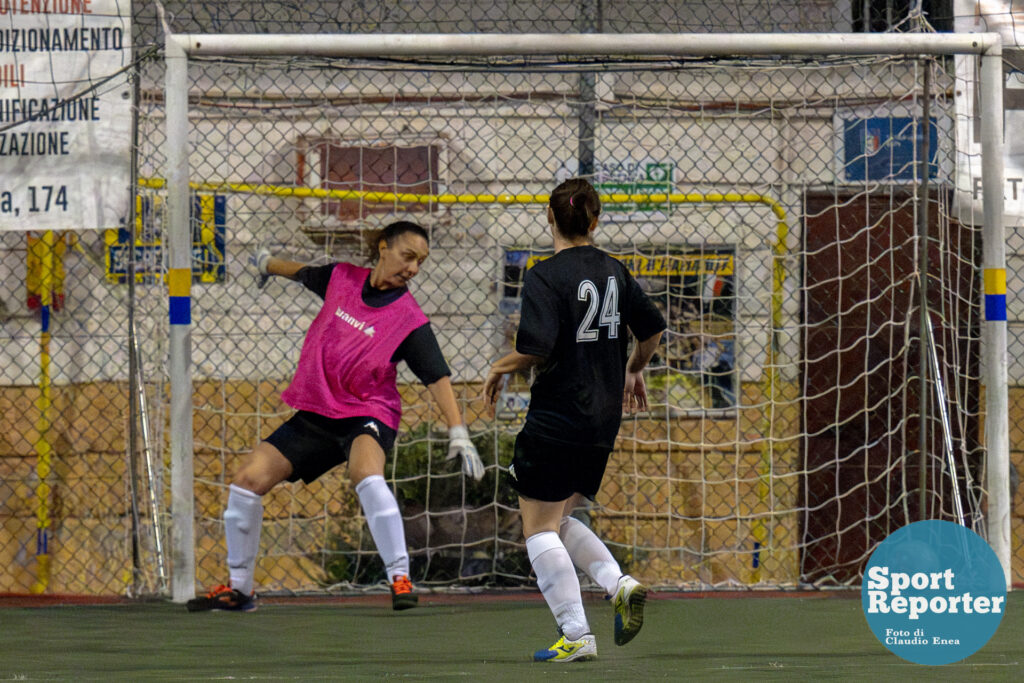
<point x="348" y="404"/>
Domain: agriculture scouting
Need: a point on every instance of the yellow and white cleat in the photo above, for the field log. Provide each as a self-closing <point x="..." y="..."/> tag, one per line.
<point x="629" y="600"/>
<point x="566" y="650"/>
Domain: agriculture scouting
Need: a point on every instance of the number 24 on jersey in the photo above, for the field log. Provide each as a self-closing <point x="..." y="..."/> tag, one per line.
<point x="608" y="305"/>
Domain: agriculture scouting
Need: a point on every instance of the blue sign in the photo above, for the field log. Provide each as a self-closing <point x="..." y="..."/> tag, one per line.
<point x="207" y="218"/>
<point x="933" y="592"/>
<point x="887" y="149"/>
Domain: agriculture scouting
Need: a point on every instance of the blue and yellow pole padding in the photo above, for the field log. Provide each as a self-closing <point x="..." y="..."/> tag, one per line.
<point x="179" y="290"/>
<point x="995" y="294"/>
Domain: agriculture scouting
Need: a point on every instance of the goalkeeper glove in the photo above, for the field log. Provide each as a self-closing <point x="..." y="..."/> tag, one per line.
<point x="459" y="444"/>
<point x="259" y="261"/>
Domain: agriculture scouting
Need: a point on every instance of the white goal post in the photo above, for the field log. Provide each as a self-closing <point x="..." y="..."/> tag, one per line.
<point x="180" y="47"/>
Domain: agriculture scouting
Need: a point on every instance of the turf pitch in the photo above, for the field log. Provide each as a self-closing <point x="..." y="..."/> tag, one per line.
<point x="481" y="638"/>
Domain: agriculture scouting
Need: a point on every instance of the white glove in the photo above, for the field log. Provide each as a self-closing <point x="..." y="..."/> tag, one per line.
<point x="459" y="444"/>
<point x="259" y="261"/>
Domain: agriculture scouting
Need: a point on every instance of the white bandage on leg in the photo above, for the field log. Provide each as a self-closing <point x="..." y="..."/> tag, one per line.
<point x="590" y="554"/>
<point x="385" y="521"/>
<point x="242" y="521"/>
<point x="556" y="578"/>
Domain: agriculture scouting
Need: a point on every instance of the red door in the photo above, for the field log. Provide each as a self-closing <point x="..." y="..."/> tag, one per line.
<point x="861" y="375"/>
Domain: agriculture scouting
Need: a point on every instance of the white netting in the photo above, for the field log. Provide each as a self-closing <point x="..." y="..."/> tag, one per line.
<point x="770" y="207"/>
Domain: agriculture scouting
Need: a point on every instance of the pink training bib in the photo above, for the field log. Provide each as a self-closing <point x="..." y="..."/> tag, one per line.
<point x="345" y="367"/>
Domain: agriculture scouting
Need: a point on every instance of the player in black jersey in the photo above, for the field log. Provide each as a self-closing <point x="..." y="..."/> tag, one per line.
<point x="578" y="309"/>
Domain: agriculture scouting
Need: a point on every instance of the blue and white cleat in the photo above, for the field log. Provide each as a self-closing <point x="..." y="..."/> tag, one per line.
<point x="629" y="600"/>
<point x="569" y="650"/>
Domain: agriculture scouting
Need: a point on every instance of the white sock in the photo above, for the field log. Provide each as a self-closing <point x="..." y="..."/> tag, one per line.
<point x="385" y="521"/>
<point x="590" y="554"/>
<point x="242" y="520"/>
<point x="557" y="581"/>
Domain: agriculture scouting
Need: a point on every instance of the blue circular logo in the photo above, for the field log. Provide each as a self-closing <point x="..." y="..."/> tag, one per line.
<point x="933" y="592"/>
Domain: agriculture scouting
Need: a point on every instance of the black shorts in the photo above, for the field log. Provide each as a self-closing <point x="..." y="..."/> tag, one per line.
<point x="314" y="444"/>
<point x="550" y="471"/>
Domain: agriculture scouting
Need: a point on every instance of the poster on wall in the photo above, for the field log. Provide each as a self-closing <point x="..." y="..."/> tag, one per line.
<point x="208" y="218"/>
<point x="694" y="287"/>
<point x="1006" y="18"/>
<point x="65" y="114"/>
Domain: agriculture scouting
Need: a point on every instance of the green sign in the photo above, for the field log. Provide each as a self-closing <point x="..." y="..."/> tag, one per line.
<point x="644" y="178"/>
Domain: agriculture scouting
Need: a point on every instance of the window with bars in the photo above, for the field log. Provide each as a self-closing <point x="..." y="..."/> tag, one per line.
<point x="395" y="170"/>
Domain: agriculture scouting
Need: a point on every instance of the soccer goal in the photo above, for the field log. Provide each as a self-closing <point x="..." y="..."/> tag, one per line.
<point x="835" y="363"/>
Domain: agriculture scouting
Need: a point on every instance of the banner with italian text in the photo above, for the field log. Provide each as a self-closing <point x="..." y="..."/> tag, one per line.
<point x="65" y="114"/>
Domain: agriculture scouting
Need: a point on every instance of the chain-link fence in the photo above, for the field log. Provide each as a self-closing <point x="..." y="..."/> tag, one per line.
<point x="770" y="207"/>
<point x="64" y="412"/>
<point x="532" y="16"/>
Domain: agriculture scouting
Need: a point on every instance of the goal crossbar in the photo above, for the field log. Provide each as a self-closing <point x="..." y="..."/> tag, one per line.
<point x="179" y="47"/>
<point x="644" y="44"/>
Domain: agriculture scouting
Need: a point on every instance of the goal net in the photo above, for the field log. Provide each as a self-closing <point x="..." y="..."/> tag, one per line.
<point x="792" y="218"/>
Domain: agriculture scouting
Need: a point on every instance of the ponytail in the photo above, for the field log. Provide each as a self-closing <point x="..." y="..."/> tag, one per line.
<point x="575" y="204"/>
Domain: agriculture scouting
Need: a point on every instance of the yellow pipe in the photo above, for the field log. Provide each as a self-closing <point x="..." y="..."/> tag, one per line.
<point x="44" y="451"/>
<point x="759" y="529"/>
<point x="770" y="382"/>
<point x="374" y="197"/>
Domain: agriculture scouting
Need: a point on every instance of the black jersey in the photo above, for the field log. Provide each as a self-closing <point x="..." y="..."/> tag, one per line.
<point x="577" y="307"/>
